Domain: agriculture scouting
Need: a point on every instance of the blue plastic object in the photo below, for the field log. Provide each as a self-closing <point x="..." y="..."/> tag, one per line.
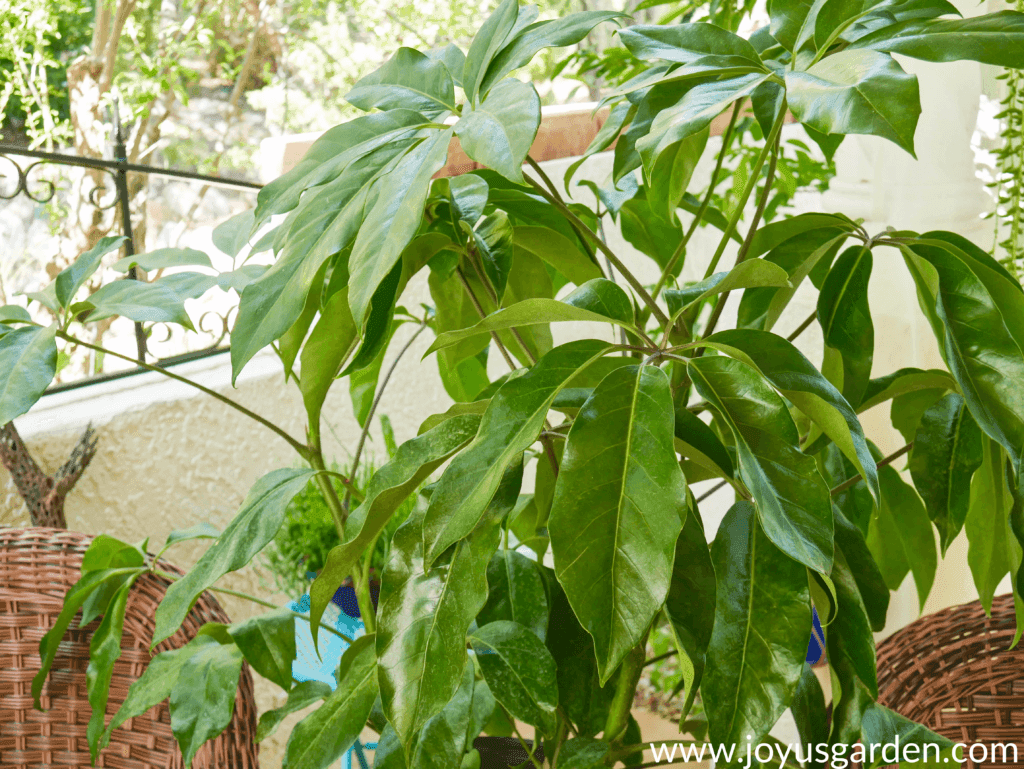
<point x="308" y="666"/>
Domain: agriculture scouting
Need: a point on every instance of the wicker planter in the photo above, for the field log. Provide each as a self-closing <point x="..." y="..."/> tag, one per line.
<point x="954" y="672"/>
<point x="37" y="566"/>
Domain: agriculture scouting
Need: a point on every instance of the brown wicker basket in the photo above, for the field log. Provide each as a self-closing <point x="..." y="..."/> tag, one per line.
<point x="37" y="566"/>
<point x="953" y="671"/>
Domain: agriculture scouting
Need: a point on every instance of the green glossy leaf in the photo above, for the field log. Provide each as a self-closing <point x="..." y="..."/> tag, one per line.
<point x="649" y="234"/>
<point x="379" y="326"/>
<point x="685" y="43"/>
<point x="73" y="277"/>
<point x="619" y="116"/>
<point x="597" y="301"/>
<point x="203" y="696"/>
<point x="28" y="363"/>
<point x="329" y="345"/>
<point x="499" y="131"/>
<point x="993" y="38"/>
<point x="155" y="684"/>
<point x="489" y="40"/>
<point x="787" y="19"/>
<point x="900" y="535"/>
<point x="857" y="92"/>
<point x="982" y="333"/>
<point x="423" y="615"/>
<point x="580" y="693"/>
<point x="762" y="624"/>
<point x="322" y="737"/>
<point x="583" y="753"/>
<point x="671" y="174"/>
<point x="104" y="651"/>
<point x="883" y="727"/>
<point x="136" y="300"/>
<point x="393" y="220"/>
<point x="453" y="58"/>
<point x="47" y="297"/>
<point x="558" y="251"/>
<point x="444" y="738"/>
<point x="798" y="255"/>
<point x="987" y="525"/>
<point x="511" y="423"/>
<point x="188" y="285"/>
<point x="232" y="235"/>
<point x="468" y="196"/>
<point x="164" y="257"/>
<point x="870" y="583"/>
<point x="302" y="695"/>
<point x="809" y="713"/>
<point x="516" y="593"/>
<point x="795" y="377"/>
<point x="852" y="627"/>
<point x="268" y="643"/>
<point x="252" y="528"/>
<point x="907" y="410"/>
<point x="774" y="234"/>
<point x="106" y="552"/>
<point x="693" y="113"/>
<point x="690" y="606"/>
<point x="388" y="488"/>
<point x="696" y="441"/>
<point x="902" y="382"/>
<point x="356" y="142"/>
<point x="519" y="671"/>
<point x="493" y="239"/>
<point x="240" y="278"/>
<point x="520" y="48"/>
<point x="620" y="502"/>
<point x="792" y="498"/>
<point x="409" y="80"/>
<point x="845" y="318"/>
<point x="751" y="273"/>
<point x="947" y="450"/>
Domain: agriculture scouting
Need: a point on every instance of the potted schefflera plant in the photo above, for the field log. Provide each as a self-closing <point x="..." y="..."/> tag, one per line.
<point x="472" y="634"/>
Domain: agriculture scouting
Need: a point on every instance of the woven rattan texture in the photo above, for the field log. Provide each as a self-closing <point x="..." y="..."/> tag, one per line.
<point x="954" y="672"/>
<point x="37" y="566"/>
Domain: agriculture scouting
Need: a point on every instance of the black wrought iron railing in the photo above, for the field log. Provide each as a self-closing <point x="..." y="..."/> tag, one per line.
<point x="16" y="179"/>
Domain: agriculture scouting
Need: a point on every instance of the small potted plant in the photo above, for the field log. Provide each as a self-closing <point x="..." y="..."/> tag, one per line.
<point x="472" y="633"/>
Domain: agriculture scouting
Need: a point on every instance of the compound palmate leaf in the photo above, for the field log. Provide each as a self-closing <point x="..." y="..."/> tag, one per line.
<point x="619" y="504"/>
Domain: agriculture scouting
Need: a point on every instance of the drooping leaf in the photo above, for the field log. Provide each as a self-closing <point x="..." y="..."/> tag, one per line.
<point x="792" y="498"/>
<point x="762" y="625"/>
<point x="947" y="450"/>
<point x="870" y="584"/>
<point x="73" y="277"/>
<point x="516" y="593"/>
<point x="751" y="273"/>
<point x="900" y="535"/>
<point x="493" y="239"/>
<point x="857" y="92"/>
<point x="583" y="753"/>
<point x="512" y="422"/>
<point x="468" y="195"/>
<point x="393" y="220"/>
<point x="302" y="695"/>
<point x="685" y="43"/>
<point x="620" y="501"/>
<point x="444" y="737"/>
<point x="520" y="48"/>
<point x="902" y="382"/>
<point x="409" y="80"/>
<point x="992" y="38"/>
<point x="694" y="112"/>
<point x="845" y="318"/>
<point x="203" y="696"/>
<point x="423" y="615"/>
<point x="378" y="326"/>
<point x="388" y="488"/>
<point x="690" y="606"/>
<point x="557" y="250"/>
<point x="619" y="116"/>
<point x="851" y="628"/>
<point x="104" y="651"/>
<point x="987" y="524"/>
<point x="796" y="378"/>
<point x="499" y="131"/>
<point x="28" y="363"/>
<point x="882" y="727"/>
<point x="696" y="441"/>
<point x="489" y="39"/>
<point x="670" y="176"/>
<point x="321" y="738"/>
<point x="330" y="343"/>
<point x="596" y="301"/>
<point x="267" y="641"/>
<point x="140" y="301"/>
<point x="164" y="257"/>
<point x="519" y="671"/>
<point x="255" y="524"/>
<point x="809" y="713"/>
